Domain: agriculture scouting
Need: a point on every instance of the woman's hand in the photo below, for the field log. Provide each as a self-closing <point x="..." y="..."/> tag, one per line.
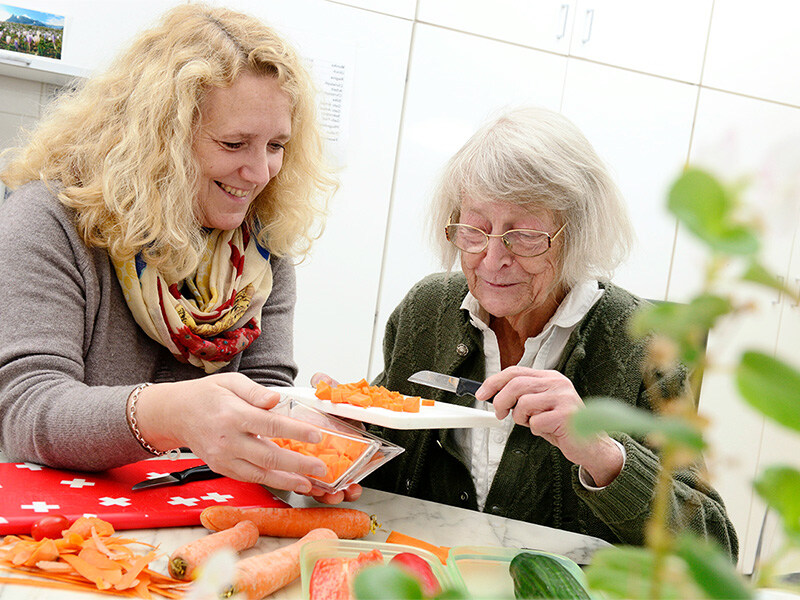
<point x="544" y="401"/>
<point x="349" y="494"/>
<point x="317" y="377"/>
<point x="225" y="420"/>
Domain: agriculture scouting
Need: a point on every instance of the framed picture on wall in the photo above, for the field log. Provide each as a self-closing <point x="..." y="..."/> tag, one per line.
<point x="29" y="31"/>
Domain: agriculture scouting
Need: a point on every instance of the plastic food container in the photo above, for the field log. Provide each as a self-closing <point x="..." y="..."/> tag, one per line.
<point x="351" y="453"/>
<point x="480" y="571"/>
<point x="311" y="552"/>
<point x="484" y="570"/>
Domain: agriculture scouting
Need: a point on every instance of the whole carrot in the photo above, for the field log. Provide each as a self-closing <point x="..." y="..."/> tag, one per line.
<point x="346" y="523"/>
<point x="260" y="575"/>
<point x="185" y="560"/>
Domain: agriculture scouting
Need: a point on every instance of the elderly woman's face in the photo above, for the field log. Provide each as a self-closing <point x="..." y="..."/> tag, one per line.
<point x="240" y="145"/>
<point x="507" y="285"/>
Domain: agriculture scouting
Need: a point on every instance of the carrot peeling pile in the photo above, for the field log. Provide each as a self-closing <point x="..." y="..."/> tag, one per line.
<point x="336" y="451"/>
<point x="346" y="523"/>
<point x="365" y="395"/>
<point x="87" y="557"/>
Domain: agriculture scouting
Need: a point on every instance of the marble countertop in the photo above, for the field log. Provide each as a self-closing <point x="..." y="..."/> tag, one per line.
<point x="435" y="523"/>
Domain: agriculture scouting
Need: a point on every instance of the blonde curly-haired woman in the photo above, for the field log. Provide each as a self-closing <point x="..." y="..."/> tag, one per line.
<point x="146" y="255"/>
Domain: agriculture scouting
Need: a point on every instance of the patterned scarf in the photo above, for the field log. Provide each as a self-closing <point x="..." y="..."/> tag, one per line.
<point x="210" y="317"/>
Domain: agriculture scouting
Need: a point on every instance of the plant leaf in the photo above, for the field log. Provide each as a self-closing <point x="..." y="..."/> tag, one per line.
<point x="758" y="273"/>
<point x="627" y="572"/>
<point x="686" y="324"/>
<point x="771" y="387"/>
<point x="706" y="208"/>
<point x="606" y="414"/>
<point x="386" y="581"/>
<point x="779" y="486"/>
<point x="711" y="569"/>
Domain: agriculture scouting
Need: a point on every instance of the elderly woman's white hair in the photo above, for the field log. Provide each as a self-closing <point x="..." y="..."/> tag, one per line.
<point x="538" y="158"/>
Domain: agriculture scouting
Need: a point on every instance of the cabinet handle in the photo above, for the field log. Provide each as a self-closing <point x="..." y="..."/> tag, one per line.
<point x="587" y="25"/>
<point x="780" y="293"/>
<point x="565" y="13"/>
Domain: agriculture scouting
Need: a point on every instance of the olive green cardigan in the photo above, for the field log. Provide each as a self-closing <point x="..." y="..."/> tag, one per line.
<point x="534" y="482"/>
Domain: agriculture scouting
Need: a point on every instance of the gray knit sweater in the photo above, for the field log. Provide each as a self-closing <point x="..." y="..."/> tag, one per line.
<point x="71" y="352"/>
<point x="534" y="482"/>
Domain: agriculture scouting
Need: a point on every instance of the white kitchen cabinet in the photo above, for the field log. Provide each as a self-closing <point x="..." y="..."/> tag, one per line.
<point x="753" y="49"/>
<point x="397" y="8"/>
<point x="544" y="24"/>
<point x="739" y="137"/>
<point x="454" y="86"/>
<point x="662" y="38"/>
<point x="640" y="126"/>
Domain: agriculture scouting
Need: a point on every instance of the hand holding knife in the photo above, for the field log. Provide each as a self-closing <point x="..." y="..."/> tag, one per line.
<point x="198" y="473"/>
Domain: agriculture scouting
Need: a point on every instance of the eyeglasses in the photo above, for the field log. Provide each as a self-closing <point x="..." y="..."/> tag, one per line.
<point x="522" y="242"/>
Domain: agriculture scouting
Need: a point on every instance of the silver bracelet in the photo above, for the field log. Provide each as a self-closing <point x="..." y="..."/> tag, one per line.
<point x="134" y="425"/>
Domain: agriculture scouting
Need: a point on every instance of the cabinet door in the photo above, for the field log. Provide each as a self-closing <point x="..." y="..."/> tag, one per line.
<point x="754" y="49"/>
<point x="640" y="126"/>
<point x="740" y="137"/>
<point x="662" y="38"/>
<point x="337" y="286"/>
<point x="454" y="86"/>
<point x="397" y="8"/>
<point x="545" y="24"/>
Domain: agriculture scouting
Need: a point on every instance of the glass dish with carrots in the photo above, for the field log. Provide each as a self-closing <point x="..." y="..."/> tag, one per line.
<point x="349" y="452"/>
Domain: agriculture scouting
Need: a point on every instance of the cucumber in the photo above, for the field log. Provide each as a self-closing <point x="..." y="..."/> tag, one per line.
<point x="542" y="576"/>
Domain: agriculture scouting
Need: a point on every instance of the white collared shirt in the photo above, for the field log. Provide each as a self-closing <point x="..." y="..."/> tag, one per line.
<point x="485" y="446"/>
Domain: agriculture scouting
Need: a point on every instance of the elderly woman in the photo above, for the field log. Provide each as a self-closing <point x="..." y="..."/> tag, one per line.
<point x="146" y="256"/>
<point x="538" y="225"/>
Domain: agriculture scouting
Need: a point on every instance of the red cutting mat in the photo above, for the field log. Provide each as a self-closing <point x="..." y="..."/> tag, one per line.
<point x="29" y="492"/>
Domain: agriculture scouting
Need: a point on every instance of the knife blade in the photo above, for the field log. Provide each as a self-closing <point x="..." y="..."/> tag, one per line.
<point x="198" y="473"/>
<point x="460" y="386"/>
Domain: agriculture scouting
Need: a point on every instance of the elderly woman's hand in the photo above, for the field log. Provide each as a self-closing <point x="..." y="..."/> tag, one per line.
<point x="224" y="419"/>
<point x="544" y="401"/>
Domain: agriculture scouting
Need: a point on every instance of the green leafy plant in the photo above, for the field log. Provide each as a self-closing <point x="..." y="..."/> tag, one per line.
<point x="684" y="566"/>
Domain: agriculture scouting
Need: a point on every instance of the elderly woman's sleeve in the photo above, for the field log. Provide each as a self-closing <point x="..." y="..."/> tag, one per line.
<point x="625" y="504"/>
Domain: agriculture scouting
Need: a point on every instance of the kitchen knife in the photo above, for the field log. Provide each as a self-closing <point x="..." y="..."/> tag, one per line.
<point x="460" y="386"/>
<point x="197" y="473"/>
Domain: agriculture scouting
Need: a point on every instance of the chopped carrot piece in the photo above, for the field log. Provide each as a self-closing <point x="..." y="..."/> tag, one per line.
<point x="411" y="404"/>
<point x="426" y="402"/>
<point x="395" y="537"/>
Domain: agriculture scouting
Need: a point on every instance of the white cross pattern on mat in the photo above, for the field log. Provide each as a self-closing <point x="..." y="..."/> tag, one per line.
<point x="175" y="500"/>
<point x="2" y="520"/>
<point x="216" y="497"/>
<point x="39" y="506"/>
<point x="31" y="466"/>
<point x="153" y="475"/>
<point x="77" y="482"/>
<point x="108" y="501"/>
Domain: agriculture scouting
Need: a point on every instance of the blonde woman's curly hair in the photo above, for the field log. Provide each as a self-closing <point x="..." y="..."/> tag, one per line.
<point x="119" y="149"/>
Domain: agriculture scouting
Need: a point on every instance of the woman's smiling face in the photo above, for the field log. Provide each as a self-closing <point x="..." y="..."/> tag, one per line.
<point x="239" y="147"/>
<point x="506" y="285"/>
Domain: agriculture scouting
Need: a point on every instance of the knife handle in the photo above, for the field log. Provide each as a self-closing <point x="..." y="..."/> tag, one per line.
<point x="198" y="473"/>
<point x="468" y="386"/>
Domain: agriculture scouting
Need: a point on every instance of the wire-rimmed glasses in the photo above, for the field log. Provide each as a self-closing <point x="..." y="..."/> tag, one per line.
<point x="522" y="242"/>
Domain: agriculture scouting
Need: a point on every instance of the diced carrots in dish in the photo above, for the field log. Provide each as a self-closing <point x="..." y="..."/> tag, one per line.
<point x="365" y="395"/>
<point x="336" y="451"/>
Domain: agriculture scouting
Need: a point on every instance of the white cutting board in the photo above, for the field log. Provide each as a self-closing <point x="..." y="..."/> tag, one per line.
<point x="439" y="416"/>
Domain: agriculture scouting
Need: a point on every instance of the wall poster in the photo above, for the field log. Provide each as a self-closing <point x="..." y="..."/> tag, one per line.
<point x="29" y="31"/>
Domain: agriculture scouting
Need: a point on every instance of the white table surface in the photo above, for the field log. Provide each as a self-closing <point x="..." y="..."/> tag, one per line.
<point x="438" y="524"/>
